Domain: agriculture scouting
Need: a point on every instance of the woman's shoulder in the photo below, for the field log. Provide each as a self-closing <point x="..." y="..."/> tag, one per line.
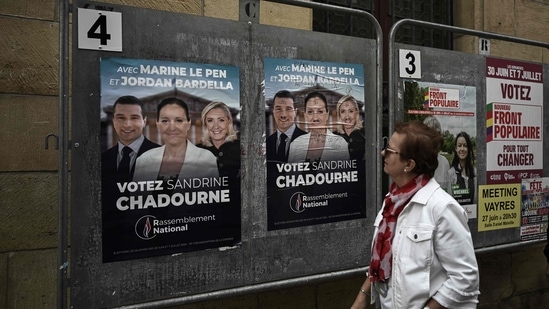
<point x="301" y="138"/>
<point x="203" y="146"/>
<point x="198" y="154"/>
<point x="232" y="144"/>
<point x="358" y="133"/>
<point x="152" y="153"/>
<point x="335" y="138"/>
<point x="440" y="201"/>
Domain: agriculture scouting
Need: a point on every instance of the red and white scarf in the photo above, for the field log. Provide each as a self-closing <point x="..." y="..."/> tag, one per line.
<point x="396" y="199"/>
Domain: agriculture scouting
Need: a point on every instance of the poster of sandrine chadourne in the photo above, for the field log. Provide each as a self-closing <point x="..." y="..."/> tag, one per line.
<point x="170" y="157"/>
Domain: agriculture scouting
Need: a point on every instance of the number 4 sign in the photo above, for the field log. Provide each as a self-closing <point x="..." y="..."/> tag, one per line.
<point x="99" y="30"/>
<point x="410" y="63"/>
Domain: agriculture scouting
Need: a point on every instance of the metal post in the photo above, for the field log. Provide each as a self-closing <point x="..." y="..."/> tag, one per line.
<point x="62" y="232"/>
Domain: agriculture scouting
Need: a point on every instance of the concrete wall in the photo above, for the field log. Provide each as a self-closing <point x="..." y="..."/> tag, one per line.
<point x="29" y="59"/>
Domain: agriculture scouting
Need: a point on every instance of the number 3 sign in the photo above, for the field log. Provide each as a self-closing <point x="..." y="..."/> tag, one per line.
<point x="410" y="63"/>
<point x="99" y="30"/>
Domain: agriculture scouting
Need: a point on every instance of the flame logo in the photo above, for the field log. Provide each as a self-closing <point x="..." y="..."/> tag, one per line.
<point x="143" y="227"/>
<point x="147" y="228"/>
<point x="296" y="202"/>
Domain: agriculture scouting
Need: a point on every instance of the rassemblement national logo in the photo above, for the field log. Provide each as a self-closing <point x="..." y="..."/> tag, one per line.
<point x="296" y="202"/>
<point x="143" y="227"/>
<point x="147" y="227"/>
<point x="299" y="201"/>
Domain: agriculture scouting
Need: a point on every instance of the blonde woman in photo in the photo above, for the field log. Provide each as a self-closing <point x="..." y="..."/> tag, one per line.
<point x="221" y="139"/>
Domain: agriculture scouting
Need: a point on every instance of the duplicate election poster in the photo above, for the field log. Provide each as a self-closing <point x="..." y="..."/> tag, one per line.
<point x="315" y="143"/>
<point x="514" y="121"/>
<point x="170" y="161"/>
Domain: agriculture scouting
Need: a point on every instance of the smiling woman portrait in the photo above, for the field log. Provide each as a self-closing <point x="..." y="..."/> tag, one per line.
<point x="319" y="144"/>
<point x="178" y="158"/>
<point x="221" y="139"/>
<point x="462" y="173"/>
<point x="349" y="126"/>
<point x="414" y="262"/>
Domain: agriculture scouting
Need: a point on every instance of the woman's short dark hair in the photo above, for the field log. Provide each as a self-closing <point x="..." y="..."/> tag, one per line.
<point x="316" y="94"/>
<point x="421" y="144"/>
<point x="172" y="100"/>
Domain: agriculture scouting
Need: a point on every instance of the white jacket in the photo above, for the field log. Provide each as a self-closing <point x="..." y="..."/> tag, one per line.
<point x="335" y="148"/>
<point x="198" y="163"/>
<point x="433" y="253"/>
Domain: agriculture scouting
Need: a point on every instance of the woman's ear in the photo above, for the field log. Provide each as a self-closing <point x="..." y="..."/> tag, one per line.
<point x="410" y="164"/>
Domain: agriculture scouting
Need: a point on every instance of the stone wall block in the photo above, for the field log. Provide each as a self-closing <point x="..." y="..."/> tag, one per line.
<point x="226" y="9"/>
<point x="25" y="121"/>
<point x="35" y="9"/>
<point x="186" y="6"/>
<point x="29" y="62"/>
<point x="29" y="211"/>
<point x="32" y="279"/>
<point x="499" y="17"/>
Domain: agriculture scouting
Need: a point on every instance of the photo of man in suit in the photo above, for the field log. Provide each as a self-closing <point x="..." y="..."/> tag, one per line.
<point x="278" y="143"/>
<point x="118" y="162"/>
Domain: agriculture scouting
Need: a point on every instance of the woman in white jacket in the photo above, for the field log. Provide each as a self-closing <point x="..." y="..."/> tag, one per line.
<point x="422" y="251"/>
<point x="319" y="144"/>
<point x="178" y="158"/>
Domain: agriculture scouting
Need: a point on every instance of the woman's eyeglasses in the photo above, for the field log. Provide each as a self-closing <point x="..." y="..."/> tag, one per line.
<point x="390" y="150"/>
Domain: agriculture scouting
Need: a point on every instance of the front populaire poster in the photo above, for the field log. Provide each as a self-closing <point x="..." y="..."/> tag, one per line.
<point x="315" y="142"/>
<point x="451" y="110"/>
<point x="170" y="161"/>
<point x="514" y="121"/>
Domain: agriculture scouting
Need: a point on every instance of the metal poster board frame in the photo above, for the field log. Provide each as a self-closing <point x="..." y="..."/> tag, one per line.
<point x="452" y="69"/>
<point x="263" y="259"/>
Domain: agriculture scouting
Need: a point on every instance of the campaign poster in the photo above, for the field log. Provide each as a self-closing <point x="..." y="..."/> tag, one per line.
<point x="499" y="207"/>
<point x="514" y="121"/>
<point x="535" y="209"/>
<point x="316" y="170"/>
<point x="177" y="188"/>
<point x="451" y="110"/>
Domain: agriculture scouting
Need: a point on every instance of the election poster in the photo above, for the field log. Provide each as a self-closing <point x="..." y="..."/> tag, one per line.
<point x="451" y="110"/>
<point x="315" y="142"/>
<point x="499" y="207"/>
<point x="514" y="121"/>
<point x="170" y="157"/>
<point x="535" y="209"/>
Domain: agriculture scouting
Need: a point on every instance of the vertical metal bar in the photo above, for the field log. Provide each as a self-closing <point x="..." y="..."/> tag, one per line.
<point x="432" y="18"/>
<point x="392" y="12"/>
<point x="62" y="232"/>
<point x="413" y="29"/>
<point x="449" y="21"/>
